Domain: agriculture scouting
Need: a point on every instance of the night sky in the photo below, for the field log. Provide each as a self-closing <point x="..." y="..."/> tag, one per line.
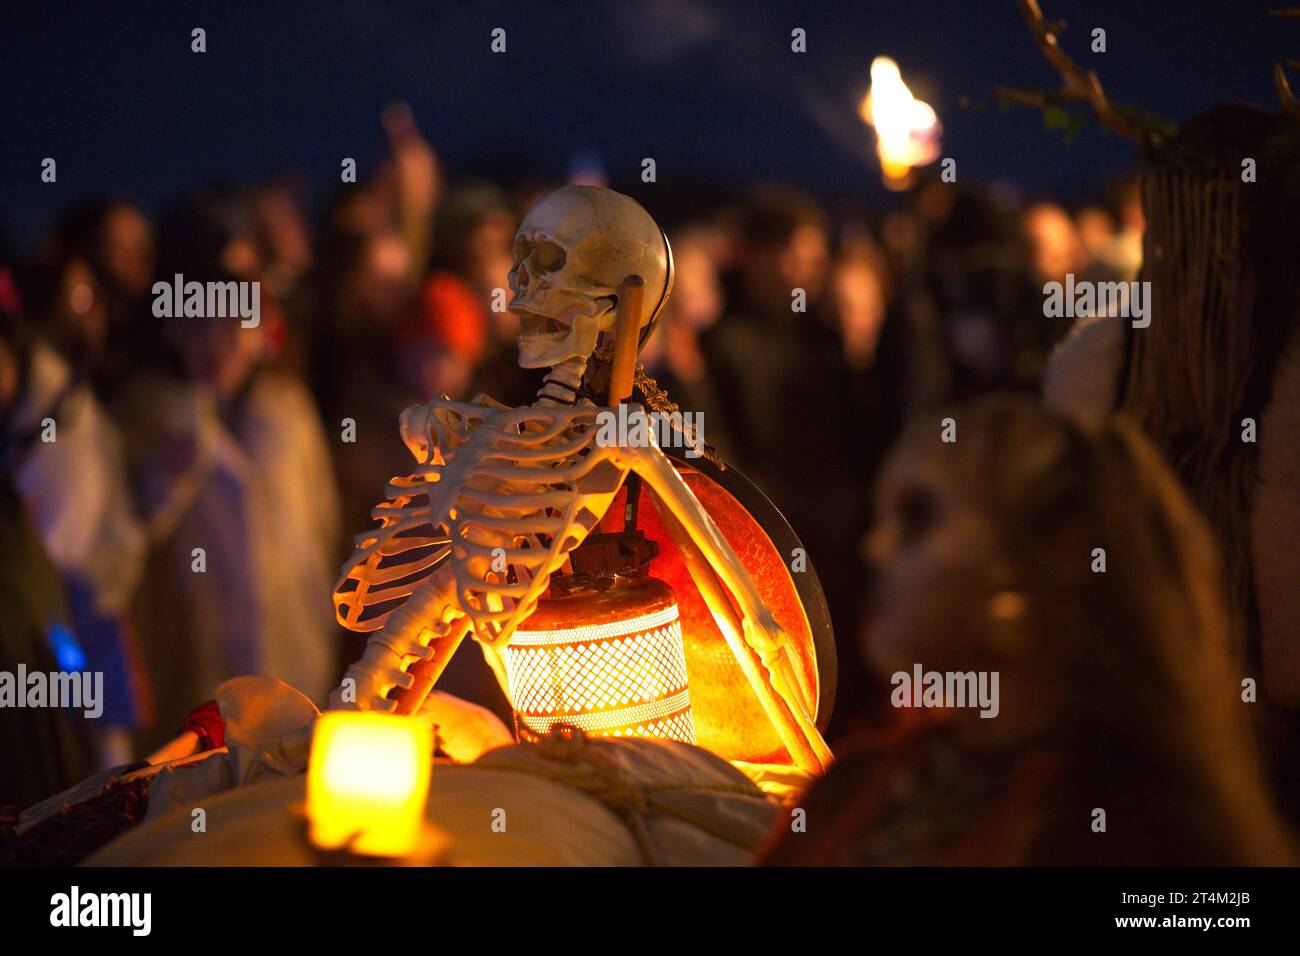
<point x="711" y="90"/>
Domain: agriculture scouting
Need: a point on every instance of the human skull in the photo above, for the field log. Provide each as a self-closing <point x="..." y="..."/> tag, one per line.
<point x="571" y="252"/>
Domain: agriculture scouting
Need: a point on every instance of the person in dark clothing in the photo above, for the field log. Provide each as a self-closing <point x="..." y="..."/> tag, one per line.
<point x="972" y="290"/>
<point x="102" y="337"/>
<point x="796" y="420"/>
<point x="42" y="749"/>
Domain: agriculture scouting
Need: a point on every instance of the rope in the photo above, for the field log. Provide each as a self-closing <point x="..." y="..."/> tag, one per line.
<point x="588" y="769"/>
<point x="657" y="400"/>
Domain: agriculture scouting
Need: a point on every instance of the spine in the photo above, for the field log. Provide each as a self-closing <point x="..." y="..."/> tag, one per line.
<point x="560" y="387"/>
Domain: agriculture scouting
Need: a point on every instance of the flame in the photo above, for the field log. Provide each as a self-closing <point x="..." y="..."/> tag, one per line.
<point x="907" y="129"/>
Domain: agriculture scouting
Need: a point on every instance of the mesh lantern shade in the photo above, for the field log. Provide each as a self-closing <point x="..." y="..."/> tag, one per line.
<point x="607" y="662"/>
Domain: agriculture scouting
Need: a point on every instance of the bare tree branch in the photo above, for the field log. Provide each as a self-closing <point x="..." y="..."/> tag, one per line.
<point x="1077" y="84"/>
<point x="1290" y="105"/>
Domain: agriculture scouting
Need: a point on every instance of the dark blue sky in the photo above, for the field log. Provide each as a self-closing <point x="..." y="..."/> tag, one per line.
<point x="707" y="88"/>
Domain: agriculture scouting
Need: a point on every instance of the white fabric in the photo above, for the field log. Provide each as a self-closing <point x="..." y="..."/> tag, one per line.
<point x="263" y="505"/>
<point x="1083" y="371"/>
<point x="75" y="486"/>
<point x="268" y="726"/>
<point x="512" y="806"/>
<point x="466" y="731"/>
<point x="539" y="822"/>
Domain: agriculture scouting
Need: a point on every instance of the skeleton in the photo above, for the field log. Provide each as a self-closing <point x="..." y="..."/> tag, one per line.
<point x="468" y="541"/>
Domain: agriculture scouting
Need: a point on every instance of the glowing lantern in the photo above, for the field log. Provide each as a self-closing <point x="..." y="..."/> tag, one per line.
<point x="608" y="662"/>
<point x="907" y="130"/>
<point x="367" y="782"/>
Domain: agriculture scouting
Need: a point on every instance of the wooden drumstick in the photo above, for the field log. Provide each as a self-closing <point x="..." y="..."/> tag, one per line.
<point x="627" y="332"/>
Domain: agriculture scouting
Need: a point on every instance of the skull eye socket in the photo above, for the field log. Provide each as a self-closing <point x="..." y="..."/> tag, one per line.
<point x="548" y="256"/>
<point x="523" y="246"/>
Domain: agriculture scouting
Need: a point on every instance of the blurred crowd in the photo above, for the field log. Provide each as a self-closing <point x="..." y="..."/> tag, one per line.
<point x="178" y="493"/>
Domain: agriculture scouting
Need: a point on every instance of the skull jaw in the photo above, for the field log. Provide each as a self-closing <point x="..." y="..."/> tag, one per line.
<point x="548" y="349"/>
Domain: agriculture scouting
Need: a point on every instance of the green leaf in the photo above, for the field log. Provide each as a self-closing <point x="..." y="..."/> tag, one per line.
<point x="1055" y="117"/>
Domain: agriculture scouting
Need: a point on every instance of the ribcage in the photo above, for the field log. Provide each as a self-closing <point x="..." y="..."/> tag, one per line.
<point x="524" y="487"/>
